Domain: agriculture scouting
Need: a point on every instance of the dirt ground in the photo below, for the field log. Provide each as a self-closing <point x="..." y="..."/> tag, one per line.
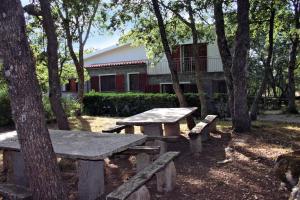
<point x="247" y="175"/>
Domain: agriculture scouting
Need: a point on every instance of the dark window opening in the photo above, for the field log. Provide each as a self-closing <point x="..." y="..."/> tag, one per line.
<point x="108" y="83"/>
<point x="134" y="82"/>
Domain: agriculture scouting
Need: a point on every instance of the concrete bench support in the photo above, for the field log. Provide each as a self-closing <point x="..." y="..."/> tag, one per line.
<point x="196" y="145"/>
<point x="142" y="161"/>
<point x="153" y="130"/>
<point x="166" y="178"/>
<point x="141" y="194"/>
<point x="15" y="166"/>
<point x="129" y="130"/>
<point x="91" y="179"/>
<point x="172" y="129"/>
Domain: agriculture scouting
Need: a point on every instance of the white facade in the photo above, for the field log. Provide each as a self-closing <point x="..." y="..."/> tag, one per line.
<point x="126" y="52"/>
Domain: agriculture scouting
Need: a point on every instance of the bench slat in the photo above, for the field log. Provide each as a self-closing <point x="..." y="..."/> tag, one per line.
<point x="12" y="191"/>
<point x="117" y="128"/>
<point x="210" y="118"/>
<point x="122" y="192"/>
<point x="198" y="128"/>
<point x="151" y="150"/>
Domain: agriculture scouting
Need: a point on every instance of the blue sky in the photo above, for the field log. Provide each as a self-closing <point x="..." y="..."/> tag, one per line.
<point x="96" y="40"/>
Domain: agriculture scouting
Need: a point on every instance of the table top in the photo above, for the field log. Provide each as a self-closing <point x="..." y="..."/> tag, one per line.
<point x="158" y="115"/>
<point x="80" y="144"/>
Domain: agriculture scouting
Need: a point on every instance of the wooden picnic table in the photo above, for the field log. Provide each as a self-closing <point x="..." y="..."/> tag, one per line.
<point x="152" y="120"/>
<point x="89" y="149"/>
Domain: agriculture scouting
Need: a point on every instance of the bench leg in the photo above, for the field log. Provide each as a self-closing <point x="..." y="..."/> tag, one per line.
<point x="129" y="130"/>
<point x="15" y="167"/>
<point x="91" y="179"/>
<point x="153" y="130"/>
<point x="166" y="178"/>
<point x="172" y="129"/>
<point x="142" y="161"/>
<point x="163" y="146"/>
<point x="141" y="194"/>
<point x="196" y="144"/>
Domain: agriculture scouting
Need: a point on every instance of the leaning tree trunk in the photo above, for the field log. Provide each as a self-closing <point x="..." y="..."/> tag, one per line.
<point x="174" y="76"/>
<point x="224" y="51"/>
<point x="54" y="80"/>
<point x="241" y="121"/>
<point x="199" y="75"/>
<point x="267" y="76"/>
<point x="291" y="77"/>
<point x="26" y="101"/>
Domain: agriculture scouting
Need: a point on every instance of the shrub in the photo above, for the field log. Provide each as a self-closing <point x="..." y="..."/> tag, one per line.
<point x="5" y="110"/>
<point x="127" y="104"/>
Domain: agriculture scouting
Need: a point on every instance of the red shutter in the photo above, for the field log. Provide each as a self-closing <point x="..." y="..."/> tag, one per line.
<point x="120" y="83"/>
<point x="203" y="56"/>
<point x="73" y="85"/>
<point x="95" y="83"/>
<point x="143" y="82"/>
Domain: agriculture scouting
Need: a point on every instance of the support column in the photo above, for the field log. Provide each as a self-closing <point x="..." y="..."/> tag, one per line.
<point x="15" y="167"/>
<point x="141" y="194"/>
<point x="166" y="178"/>
<point x="91" y="179"/>
<point x="153" y="130"/>
<point x="196" y="144"/>
<point x="142" y="161"/>
<point x="172" y="129"/>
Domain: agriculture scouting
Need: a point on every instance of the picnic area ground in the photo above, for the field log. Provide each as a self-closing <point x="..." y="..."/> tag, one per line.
<point x="237" y="167"/>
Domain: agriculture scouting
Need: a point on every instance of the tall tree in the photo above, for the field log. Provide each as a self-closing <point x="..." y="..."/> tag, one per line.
<point x="241" y="122"/>
<point x="267" y="78"/>
<point x="26" y="101"/>
<point x="224" y="50"/>
<point x="293" y="56"/>
<point x="198" y="71"/>
<point x="77" y="20"/>
<point x="172" y="67"/>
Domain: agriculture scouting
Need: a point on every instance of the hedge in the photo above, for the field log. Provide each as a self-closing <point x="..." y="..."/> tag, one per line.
<point x="5" y="111"/>
<point x="127" y="104"/>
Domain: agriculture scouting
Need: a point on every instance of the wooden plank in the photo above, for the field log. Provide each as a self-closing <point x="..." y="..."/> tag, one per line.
<point x="122" y="192"/>
<point x="164" y="138"/>
<point x="151" y="150"/>
<point x="198" y="129"/>
<point x="11" y="191"/>
<point x="210" y="118"/>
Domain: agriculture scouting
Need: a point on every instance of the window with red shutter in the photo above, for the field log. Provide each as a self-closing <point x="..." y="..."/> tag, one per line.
<point x="95" y="83"/>
<point x="108" y="83"/>
<point x="120" y="83"/>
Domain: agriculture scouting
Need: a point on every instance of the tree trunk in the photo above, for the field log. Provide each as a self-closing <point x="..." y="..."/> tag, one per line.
<point x="54" y="81"/>
<point x="293" y="60"/>
<point x="26" y="101"/>
<point x="199" y="75"/>
<point x="241" y="121"/>
<point x="268" y="71"/>
<point x="224" y="51"/>
<point x="172" y="67"/>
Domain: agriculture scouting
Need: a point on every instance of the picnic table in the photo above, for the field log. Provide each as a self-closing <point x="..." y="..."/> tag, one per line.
<point x="89" y="149"/>
<point x="152" y="120"/>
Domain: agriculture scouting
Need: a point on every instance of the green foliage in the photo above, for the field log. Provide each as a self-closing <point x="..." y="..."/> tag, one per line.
<point x="127" y="104"/>
<point x="5" y="114"/>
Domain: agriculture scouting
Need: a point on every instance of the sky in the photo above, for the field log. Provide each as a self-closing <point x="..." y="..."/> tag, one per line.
<point x="96" y="40"/>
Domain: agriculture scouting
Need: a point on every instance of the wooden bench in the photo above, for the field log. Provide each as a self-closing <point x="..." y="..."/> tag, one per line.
<point x="14" y="192"/>
<point x="201" y="132"/>
<point x="135" y="189"/>
<point x="119" y="128"/>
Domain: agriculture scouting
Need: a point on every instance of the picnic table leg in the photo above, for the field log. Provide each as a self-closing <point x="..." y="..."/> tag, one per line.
<point x="172" y="129"/>
<point x="153" y="130"/>
<point x="91" y="179"/>
<point x="129" y="130"/>
<point x="15" y="167"/>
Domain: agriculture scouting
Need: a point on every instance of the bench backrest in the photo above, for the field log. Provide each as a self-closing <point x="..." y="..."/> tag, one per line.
<point x="122" y="192"/>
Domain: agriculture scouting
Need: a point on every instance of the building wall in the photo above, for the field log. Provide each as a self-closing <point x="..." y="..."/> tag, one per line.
<point x="123" y="53"/>
<point x="214" y="63"/>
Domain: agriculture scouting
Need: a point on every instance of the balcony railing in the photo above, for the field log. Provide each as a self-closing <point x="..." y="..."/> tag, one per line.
<point x="186" y="65"/>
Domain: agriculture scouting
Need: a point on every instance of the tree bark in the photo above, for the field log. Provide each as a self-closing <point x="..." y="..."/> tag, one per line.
<point x="174" y="75"/>
<point x="241" y="121"/>
<point x="268" y="71"/>
<point x="52" y="53"/>
<point x="292" y="60"/>
<point x="199" y="74"/>
<point x="26" y="101"/>
<point x="224" y="50"/>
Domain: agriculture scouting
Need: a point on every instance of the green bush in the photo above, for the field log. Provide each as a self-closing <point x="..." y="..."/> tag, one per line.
<point x="127" y="104"/>
<point x="5" y="111"/>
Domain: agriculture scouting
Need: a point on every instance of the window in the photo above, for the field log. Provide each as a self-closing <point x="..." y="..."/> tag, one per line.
<point x="108" y="83"/>
<point x="186" y="88"/>
<point x="134" y="82"/>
